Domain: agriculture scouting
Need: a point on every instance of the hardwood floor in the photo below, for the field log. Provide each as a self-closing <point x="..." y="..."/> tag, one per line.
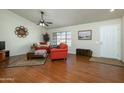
<point x="76" y="69"/>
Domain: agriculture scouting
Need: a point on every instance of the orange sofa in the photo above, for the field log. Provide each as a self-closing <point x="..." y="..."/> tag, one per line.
<point x="59" y="53"/>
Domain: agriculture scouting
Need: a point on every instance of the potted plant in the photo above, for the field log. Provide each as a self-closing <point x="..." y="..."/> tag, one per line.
<point x="46" y="37"/>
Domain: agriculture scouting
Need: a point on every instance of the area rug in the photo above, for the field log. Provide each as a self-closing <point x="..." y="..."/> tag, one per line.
<point x="22" y="61"/>
<point x="108" y="61"/>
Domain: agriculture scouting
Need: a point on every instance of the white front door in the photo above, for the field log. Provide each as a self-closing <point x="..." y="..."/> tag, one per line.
<point x="110" y="41"/>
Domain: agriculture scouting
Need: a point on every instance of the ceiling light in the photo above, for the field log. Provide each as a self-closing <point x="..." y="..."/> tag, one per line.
<point x="42" y="24"/>
<point x="112" y="10"/>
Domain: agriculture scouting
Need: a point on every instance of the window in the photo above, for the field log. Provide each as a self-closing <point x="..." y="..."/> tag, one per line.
<point x="59" y="37"/>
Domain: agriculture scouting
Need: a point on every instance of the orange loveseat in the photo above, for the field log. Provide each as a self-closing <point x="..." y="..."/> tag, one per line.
<point x="59" y="53"/>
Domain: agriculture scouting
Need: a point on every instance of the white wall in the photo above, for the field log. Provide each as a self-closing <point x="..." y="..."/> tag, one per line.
<point x="122" y="43"/>
<point x="8" y="22"/>
<point x="93" y="44"/>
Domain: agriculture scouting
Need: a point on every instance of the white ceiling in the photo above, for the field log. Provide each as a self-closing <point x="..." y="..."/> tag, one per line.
<point x="68" y="17"/>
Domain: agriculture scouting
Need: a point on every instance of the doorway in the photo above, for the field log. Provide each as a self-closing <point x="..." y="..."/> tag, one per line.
<point x="110" y="41"/>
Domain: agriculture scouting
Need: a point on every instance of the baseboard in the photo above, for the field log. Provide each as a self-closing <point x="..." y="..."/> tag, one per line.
<point x="72" y="53"/>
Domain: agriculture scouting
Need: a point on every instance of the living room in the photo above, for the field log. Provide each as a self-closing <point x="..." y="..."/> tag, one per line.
<point x="65" y="25"/>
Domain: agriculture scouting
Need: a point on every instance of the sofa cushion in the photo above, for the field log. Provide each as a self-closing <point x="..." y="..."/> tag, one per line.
<point x="41" y="52"/>
<point x="62" y="45"/>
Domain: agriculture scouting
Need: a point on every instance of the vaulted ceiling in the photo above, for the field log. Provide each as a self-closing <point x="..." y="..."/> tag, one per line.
<point x="68" y="17"/>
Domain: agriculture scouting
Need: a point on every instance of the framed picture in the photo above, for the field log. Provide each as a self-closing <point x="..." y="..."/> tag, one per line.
<point x="85" y="35"/>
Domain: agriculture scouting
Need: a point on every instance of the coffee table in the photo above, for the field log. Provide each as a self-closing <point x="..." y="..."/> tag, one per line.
<point x="31" y="55"/>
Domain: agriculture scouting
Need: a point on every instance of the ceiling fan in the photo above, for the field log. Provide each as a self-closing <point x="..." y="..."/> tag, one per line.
<point x="43" y="22"/>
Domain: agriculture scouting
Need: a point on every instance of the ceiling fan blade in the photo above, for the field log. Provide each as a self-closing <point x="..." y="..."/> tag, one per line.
<point x="49" y="22"/>
<point x="46" y="24"/>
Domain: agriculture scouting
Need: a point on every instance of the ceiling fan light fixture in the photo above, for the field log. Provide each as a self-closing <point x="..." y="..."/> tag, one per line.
<point x="42" y="24"/>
